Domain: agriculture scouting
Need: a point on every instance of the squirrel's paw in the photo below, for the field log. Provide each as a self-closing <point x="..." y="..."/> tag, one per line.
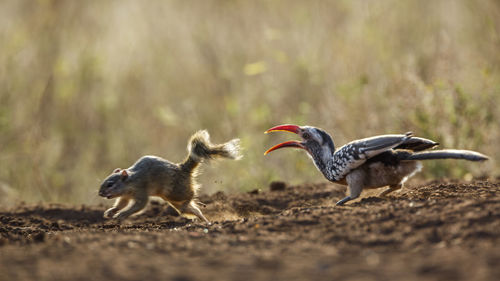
<point x="109" y="213"/>
<point x="120" y="216"/>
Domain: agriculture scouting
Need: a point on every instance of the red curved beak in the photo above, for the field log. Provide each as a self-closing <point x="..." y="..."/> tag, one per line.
<point x="285" y="144"/>
<point x="287" y="128"/>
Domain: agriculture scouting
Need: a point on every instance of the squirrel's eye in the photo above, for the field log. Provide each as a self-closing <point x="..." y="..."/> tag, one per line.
<point x="110" y="184"/>
<point x="306" y="136"/>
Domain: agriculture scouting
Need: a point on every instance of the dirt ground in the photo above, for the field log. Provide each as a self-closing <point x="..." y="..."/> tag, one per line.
<point x="434" y="231"/>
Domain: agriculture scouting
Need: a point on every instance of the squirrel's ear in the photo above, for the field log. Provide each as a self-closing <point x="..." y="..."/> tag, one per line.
<point x="124" y="174"/>
<point x="116" y="170"/>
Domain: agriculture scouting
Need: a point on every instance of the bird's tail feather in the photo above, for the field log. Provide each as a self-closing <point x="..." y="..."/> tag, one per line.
<point x="448" y="154"/>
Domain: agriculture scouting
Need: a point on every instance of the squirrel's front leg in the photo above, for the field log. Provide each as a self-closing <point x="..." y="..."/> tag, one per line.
<point x="120" y="203"/>
<point x="140" y="202"/>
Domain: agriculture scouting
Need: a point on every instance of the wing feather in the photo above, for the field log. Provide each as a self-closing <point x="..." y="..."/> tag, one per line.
<point x="417" y="144"/>
<point x="355" y="153"/>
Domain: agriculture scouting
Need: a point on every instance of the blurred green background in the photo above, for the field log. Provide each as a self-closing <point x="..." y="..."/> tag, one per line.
<point x="89" y="86"/>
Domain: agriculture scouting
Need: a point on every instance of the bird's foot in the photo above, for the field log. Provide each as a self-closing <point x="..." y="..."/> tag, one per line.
<point x="341" y="202"/>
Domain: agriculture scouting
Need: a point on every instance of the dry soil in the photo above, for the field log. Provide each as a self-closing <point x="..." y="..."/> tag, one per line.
<point x="435" y="231"/>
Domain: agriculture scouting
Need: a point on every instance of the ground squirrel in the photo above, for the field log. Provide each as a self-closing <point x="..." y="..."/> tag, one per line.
<point x="155" y="176"/>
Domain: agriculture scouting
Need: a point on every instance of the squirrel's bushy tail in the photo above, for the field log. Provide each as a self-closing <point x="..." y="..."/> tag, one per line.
<point x="200" y="147"/>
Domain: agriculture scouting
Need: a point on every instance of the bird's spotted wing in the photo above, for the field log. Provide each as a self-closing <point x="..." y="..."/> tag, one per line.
<point x="355" y="153"/>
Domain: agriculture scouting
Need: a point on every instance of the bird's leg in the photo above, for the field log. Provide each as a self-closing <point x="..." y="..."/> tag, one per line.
<point x="343" y="200"/>
<point x="355" y="181"/>
<point x="120" y="203"/>
<point x="391" y="188"/>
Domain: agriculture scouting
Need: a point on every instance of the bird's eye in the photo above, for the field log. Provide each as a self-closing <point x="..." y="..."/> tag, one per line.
<point x="306" y="136"/>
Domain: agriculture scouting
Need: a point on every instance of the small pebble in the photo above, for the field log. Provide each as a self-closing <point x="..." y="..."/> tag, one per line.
<point x="255" y="191"/>
<point x="277" y="186"/>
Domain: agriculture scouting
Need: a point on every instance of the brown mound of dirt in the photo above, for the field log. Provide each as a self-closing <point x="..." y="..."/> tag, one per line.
<point x="438" y="231"/>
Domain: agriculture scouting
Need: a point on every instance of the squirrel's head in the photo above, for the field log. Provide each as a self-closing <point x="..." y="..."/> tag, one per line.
<point x="114" y="185"/>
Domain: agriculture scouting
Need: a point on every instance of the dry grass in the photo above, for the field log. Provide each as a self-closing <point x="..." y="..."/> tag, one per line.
<point x="88" y="86"/>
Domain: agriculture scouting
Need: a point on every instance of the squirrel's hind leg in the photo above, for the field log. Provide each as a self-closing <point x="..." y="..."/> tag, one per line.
<point x="192" y="208"/>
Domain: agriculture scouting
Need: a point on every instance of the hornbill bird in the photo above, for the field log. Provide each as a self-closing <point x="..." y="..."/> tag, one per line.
<point x="386" y="160"/>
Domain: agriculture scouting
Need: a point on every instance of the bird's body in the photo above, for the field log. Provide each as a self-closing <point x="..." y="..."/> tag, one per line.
<point x="386" y="160"/>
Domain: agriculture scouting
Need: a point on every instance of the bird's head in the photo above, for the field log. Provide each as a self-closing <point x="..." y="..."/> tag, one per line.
<point x="315" y="141"/>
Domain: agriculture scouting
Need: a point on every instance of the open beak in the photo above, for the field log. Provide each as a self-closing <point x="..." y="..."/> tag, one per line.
<point x="287" y="128"/>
